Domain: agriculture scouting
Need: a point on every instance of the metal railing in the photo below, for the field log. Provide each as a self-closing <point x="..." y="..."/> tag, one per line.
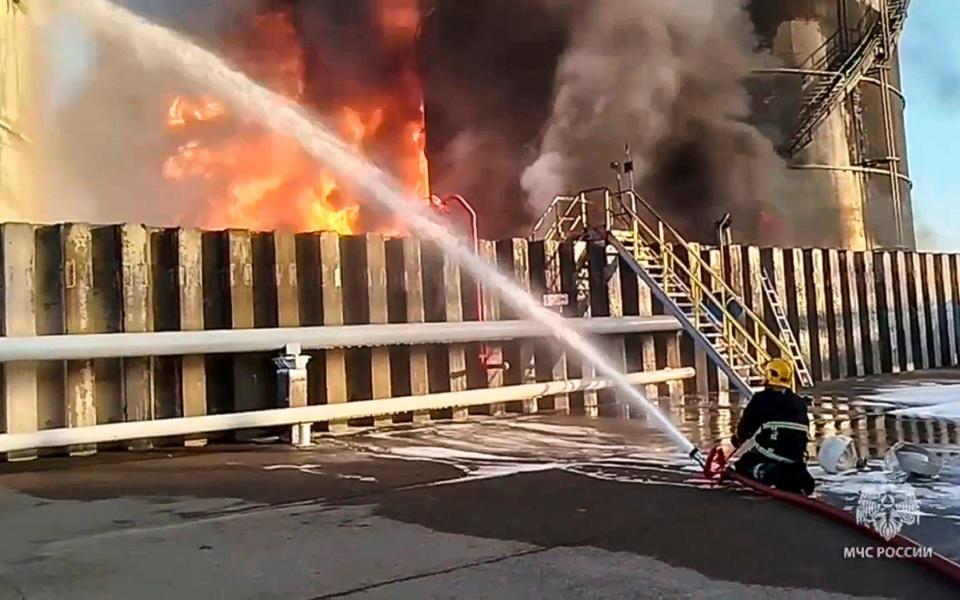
<point x="233" y="341"/>
<point x="291" y="370"/>
<point x="846" y="57"/>
<point x="659" y="243"/>
<point x="655" y="243"/>
<point x="302" y="417"/>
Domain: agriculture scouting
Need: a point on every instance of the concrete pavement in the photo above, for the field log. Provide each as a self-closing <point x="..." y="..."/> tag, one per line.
<point x="273" y="523"/>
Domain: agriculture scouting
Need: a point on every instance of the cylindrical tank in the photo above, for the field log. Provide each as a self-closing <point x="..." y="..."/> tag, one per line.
<point x="847" y="182"/>
<point x="17" y="101"/>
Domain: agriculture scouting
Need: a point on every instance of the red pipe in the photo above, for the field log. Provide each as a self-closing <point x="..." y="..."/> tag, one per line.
<point x="443" y="203"/>
<point x="716" y="463"/>
<point x="475" y="238"/>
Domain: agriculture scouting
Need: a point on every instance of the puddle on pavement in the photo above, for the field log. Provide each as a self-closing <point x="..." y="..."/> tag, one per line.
<point x="630" y="451"/>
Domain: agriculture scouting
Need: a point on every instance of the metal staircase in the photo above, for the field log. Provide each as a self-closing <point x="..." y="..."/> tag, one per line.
<point x="835" y="72"/>
<point x="786" y="332"/>
<point x="708" y="309"/>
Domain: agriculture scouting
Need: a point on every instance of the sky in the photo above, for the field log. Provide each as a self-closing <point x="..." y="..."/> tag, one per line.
<point x="930" y="57"/>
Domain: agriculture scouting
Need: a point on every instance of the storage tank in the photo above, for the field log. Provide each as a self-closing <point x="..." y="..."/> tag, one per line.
<point x="16" y="101"/>
<point x="834" y="108"/>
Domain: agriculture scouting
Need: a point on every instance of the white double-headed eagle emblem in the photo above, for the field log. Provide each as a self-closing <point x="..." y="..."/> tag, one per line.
<point x="887" y="508"/>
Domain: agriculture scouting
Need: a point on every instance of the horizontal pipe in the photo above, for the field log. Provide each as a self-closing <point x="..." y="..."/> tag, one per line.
<point x="226" y="341"/>
<point x="853" y="169"/>
<point x="116" y="432"/>
<point x="796" y="71"/>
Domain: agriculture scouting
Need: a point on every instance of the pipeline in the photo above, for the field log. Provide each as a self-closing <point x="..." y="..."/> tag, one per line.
<point x="715" y="468"/>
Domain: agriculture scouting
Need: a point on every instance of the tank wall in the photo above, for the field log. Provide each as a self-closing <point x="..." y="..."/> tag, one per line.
<point x="826" y="197"/>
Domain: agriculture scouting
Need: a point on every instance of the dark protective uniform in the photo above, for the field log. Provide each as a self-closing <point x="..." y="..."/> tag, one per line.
<point x="777" y="421"/>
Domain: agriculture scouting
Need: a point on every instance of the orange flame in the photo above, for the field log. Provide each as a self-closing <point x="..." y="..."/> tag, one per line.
<point x="258" y="180"/>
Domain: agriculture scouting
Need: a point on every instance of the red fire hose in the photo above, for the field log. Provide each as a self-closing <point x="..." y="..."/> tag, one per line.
<point x="716" y="468"/>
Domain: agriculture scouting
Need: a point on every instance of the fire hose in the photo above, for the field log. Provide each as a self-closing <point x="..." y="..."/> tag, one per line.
<point x="717" y="467"/>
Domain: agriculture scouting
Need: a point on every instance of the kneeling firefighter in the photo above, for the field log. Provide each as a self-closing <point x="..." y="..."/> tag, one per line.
<point x="773" y="433"/>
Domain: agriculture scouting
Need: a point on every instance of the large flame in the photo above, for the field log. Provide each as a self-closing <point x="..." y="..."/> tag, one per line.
<point x="253" y="179"/>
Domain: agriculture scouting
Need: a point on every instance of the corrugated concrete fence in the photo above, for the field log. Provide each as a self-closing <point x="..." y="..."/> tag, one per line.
<point x="855" y="313"/>
<point x="78" y="278"/>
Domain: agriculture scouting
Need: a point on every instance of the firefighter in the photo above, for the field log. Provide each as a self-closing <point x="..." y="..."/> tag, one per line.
<point x="774" y="429"/>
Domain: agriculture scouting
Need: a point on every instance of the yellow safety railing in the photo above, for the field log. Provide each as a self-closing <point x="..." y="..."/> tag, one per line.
<point x="569" y="213"/>
<point x="666" y="237"/>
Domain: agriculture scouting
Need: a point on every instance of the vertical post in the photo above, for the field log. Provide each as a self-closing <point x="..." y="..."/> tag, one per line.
<point x="453" y="309"/>
<point x="630" y="305"/>
<point x="949" y="308"/>
<point x="599" y="303"/>
<point x="19" y="319"/>
<point x="137" y="317"/>
<point x="723" y="383"/>
<point x="491" y="311"/>
<point x="240" y="292"/>
<point x="551" y="360"/>
<point x="851" y="290"/>
<point x="292" y="364"/>
<point x="933" y="305"/>
<point x="867" y="269"/>
<point x="699" y="356"/>
<point x="903" y="315"/>
<point x="754" y="277"/>
<point x="893" y="334"/>
<point x="413" y="279"/>
<point x="332" y="285"/>
<point x="565" y="282"/>
<point x="54" y="392"/>
<point x="617" y="346"/>
<point x="77" y="285"/>
<point x="379" y="315"/>
<point x="524" y="356"/>
<point x="193" y="372"/>
<point x="648" y="348"/>
<point x="915" y="269"/>
<point x="803" y="319"/>
<point x="954" y="282"/>
<point x="674" y="361"/>
<point x="106" y="310"/>
<point x="287" y="281"/>
<point x="839" y="333"/>
<point x="735" y="281"/>
<point x="818" y="290"/>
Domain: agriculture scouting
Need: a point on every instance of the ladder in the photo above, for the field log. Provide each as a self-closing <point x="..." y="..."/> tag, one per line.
<point x="837" y="74"/>
<point x="715" y="317"/>
<point x="708" y="327"/>
<point x="786" y="332"/>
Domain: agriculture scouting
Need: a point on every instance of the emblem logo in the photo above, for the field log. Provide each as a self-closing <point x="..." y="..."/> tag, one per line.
<point x="887" y="508"/>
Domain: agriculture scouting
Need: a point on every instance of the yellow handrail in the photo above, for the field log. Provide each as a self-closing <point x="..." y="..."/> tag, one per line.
<point x="725" y="288"/>
<point x="729" y="322"/>
<point x="574" y="211"/>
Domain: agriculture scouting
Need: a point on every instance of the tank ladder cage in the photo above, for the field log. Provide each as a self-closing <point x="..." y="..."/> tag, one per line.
<point x="716" y="317"/>
<point x="832" y="73"/>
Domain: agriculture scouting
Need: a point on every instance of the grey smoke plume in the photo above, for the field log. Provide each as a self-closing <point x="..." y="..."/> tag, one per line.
<point x="488" y="69"/>
<point x="665" y="77"/>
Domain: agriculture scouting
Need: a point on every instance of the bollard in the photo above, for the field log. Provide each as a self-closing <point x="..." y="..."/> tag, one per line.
<point x="292" y="384"/>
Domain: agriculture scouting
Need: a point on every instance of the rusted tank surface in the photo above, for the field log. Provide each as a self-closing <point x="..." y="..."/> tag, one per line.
<point x="848" y="185"/>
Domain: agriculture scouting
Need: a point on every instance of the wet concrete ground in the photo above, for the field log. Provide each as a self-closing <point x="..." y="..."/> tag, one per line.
<point x="515" y="508"/>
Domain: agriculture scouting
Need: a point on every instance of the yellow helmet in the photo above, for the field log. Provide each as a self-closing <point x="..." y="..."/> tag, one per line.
<point x="778" y="373"/>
